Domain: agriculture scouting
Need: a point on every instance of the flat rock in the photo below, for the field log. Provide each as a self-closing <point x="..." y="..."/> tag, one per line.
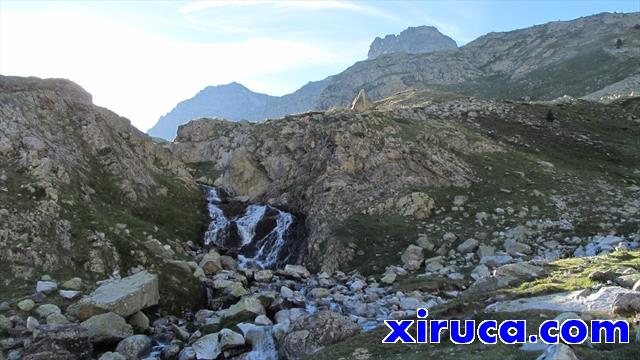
<point x="124" y="297"/>
<point x="607" y="300"/>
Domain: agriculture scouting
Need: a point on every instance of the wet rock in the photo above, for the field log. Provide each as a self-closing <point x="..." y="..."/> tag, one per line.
<point x="59" y="341"/>
<point x="228" y="263"/>
<point x="124" y="297"/>
<point x="412" y="257"/>
<point x="296" y="271"/>
<point x="262" y="320"/>
<point x="229" y="339"/>
<point x="107" y="328"/>
<point x="135" y="347"/>
<point x="285" y="292"/>
<point x="170" y="352"/>
<point x="207" y="347"/>
<point x="244" y="310"/>
<point x="187" y="353"/>
<point x="211" y="263"/>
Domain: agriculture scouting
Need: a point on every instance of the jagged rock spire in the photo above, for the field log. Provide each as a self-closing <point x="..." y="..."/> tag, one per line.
<point x="361" y="102"/>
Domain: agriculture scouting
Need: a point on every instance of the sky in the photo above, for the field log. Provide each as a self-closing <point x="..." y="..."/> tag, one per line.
<point x="140" y="58"/>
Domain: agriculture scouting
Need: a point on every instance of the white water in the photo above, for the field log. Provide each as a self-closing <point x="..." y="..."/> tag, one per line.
<point x="247" y="224"/>
<point x="268" y="248"/>
<point x="261" y="340"/>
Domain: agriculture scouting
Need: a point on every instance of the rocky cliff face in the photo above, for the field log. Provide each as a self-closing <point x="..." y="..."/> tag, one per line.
<point x="83" y="191"/>
<point x="236" y="102"/>
<point x="542" y="62"/>
<point x="333" y="165"/>
<point x="370" y="181"/>
<point x="413" y="40"/>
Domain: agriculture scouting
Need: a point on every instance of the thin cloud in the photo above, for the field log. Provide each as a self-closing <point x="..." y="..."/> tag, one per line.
<point x="200" y="5"/>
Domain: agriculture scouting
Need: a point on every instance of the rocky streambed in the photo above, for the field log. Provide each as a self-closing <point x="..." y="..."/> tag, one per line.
<point x="260" y="305"/>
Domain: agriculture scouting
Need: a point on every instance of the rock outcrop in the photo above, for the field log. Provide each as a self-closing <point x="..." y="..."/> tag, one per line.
<point x="74" y="178"/>
<point x="413" y="40"/>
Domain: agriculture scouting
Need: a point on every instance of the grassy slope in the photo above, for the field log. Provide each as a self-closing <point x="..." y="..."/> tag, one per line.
<point x="563" y="275"/>
<point x="611" y="156"/>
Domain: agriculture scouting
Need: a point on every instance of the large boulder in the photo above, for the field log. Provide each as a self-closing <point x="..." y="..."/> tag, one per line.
<point x="135" y="347"/>
<point x="124" y="297"/>
<point x="296" y="271"/>
<point x="107" y="328"/>
<point x="59" y="341"/>
<point x="207" y="347"/>
<point x="245" y="176"/>
<point x="312" y="332"/>
<point x="412" y="257"/>
<point x="417" y="205"/>
<point x="244" y="310"/>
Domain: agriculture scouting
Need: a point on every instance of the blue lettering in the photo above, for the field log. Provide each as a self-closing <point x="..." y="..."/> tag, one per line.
<point x="398" y="332"/>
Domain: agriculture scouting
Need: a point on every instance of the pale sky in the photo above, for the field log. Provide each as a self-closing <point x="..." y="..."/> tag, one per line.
<point x="140" y="58"/>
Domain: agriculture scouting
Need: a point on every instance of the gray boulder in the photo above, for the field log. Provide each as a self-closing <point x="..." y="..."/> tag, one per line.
<point x="107" y="328"/>
<point x="135" y="347"/>
<point x="124" y="297"/>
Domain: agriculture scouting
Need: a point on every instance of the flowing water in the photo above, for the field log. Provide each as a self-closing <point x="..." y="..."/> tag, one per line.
<point x="263" y="236"/>
<point x="266" y="248"/>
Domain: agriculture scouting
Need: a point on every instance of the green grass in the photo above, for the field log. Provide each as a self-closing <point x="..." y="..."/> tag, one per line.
<point x="562" y="275"/>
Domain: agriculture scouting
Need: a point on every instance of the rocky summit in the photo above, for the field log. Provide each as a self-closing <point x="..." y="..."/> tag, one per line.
<point x="296" y="237"/>
<point x="413" y="40"/>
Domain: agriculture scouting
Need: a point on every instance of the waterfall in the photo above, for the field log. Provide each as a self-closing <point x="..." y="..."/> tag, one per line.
<point x="247" y="224"/>
<point x="260" y="234"/>
<point x="261" y="340"/>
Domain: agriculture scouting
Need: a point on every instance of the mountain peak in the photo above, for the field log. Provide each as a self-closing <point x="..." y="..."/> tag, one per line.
<point x="412" y="40"/>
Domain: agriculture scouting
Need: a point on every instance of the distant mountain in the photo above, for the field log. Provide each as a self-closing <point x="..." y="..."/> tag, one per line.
<point x="413" y="40"/>
<point x="542" y="62"/>
<point x="235" y="102"/>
